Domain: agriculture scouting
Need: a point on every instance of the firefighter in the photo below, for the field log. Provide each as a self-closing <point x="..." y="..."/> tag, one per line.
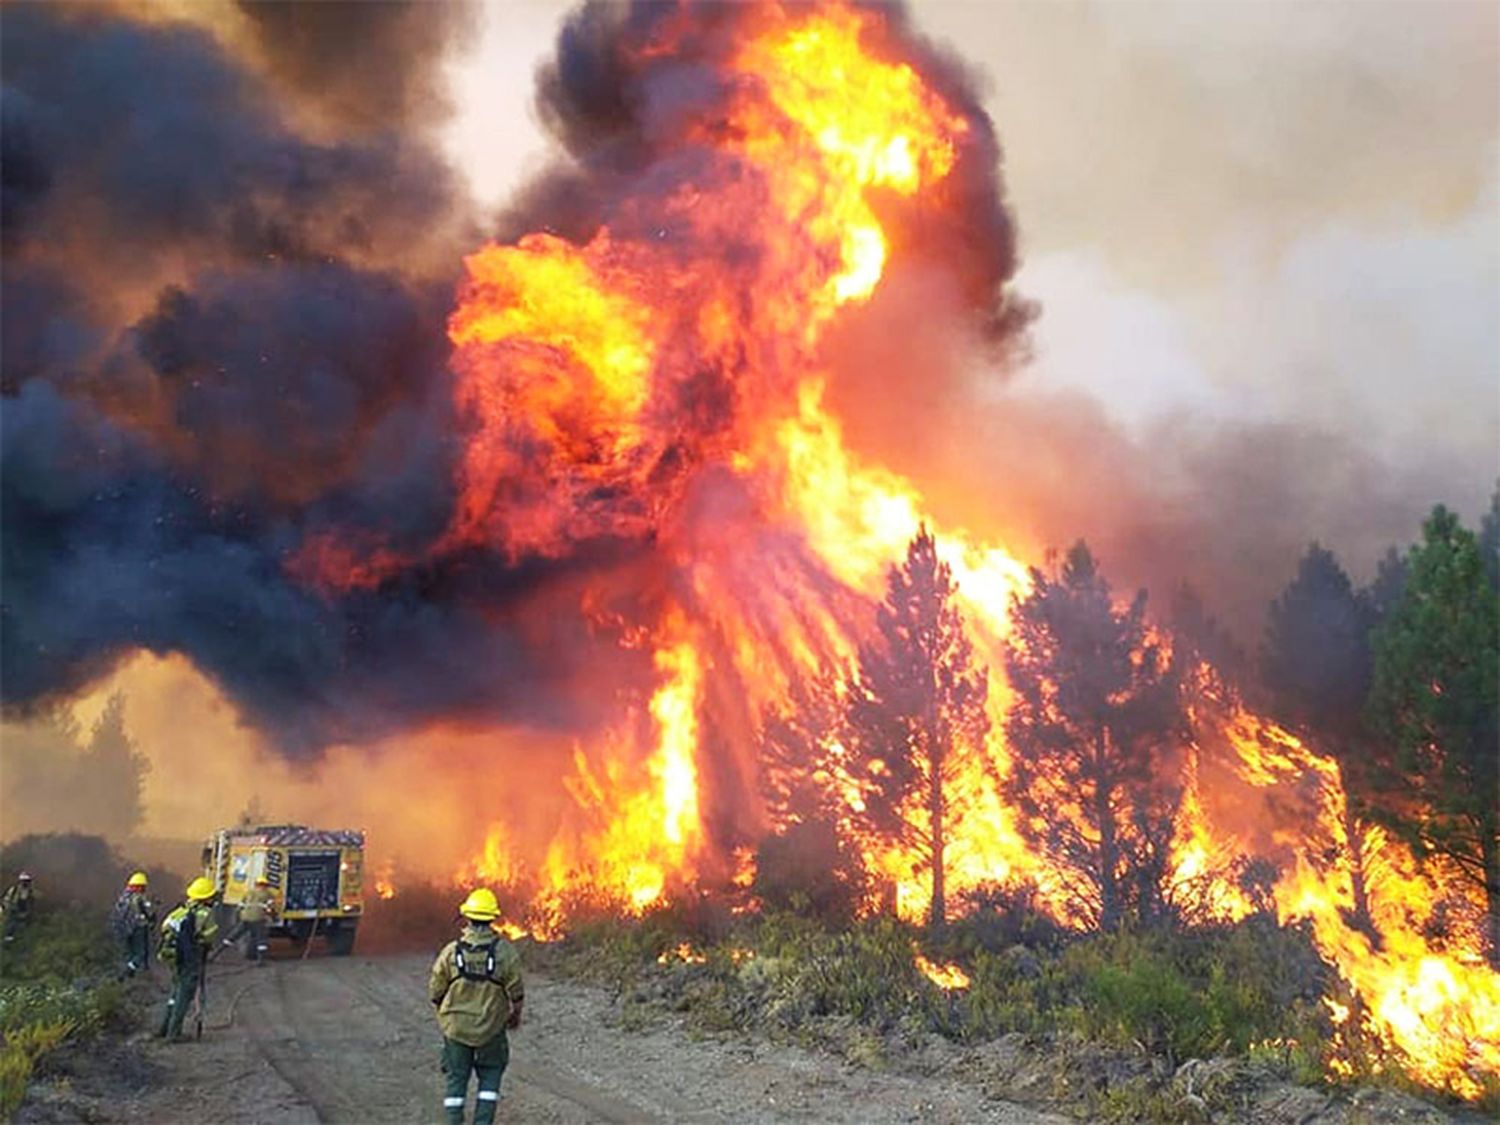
<point x="256" y="910"/>
<point x="131" y="922"/>
<point x="477" y="990"/>
<point x="16" y="905"/>
<point x="187" y="936"/>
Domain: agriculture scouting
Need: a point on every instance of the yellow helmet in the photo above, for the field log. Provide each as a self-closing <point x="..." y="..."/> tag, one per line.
<point x="137" y="880"/>
<point x="200" y="889"/>
<point x="480" y="906"/>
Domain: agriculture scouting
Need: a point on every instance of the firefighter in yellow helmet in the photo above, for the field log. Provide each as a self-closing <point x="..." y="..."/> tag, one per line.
<point x="477" y="990"/>
<point x="187" y="936"/>
<point x="16" y="905"/>
<point x="257" y="909"/>
<point x="131" y="922"/>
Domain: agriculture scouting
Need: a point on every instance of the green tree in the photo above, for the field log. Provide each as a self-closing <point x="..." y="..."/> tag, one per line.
<point x="915" y="707"/>
<point x="1095" y="732"/>
<point x="1384" y="593"/>
<point x="113" y="772"/>
<point x="1489" y="538"/>
<point x="1315" y="662"/>
<point x="1434" y="696"/>
<point x="55" y="780"/>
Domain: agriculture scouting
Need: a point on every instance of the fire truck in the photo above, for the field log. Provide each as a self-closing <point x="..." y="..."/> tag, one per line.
<point x="315" y="877"/>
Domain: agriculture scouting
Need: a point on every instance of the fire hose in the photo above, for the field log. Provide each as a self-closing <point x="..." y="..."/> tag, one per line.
<point x="200" y="996"/>
<point x="234" y="1003"/>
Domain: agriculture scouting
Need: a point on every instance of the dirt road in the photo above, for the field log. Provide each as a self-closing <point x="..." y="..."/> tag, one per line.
<point x="353" y="1040"/>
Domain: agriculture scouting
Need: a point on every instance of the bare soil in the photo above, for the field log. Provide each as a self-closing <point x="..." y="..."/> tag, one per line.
<point x="353" y="1040"/>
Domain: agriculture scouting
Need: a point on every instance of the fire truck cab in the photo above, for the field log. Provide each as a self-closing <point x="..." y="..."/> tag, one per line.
<point x="315" y="877"/>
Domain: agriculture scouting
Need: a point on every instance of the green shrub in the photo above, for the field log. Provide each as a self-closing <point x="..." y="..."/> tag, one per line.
<point x="1139" y="1102"/>
<point x="83" y="1009"/>
<point x="55" y="985"/>
<point x="19" y="1052"/>
<point x="1251" y="989"/>
<point x="1146" y="1000"/>
<point x="37" y="1018"/>
<point x="1011" y="991"/>
<point x="999" y="916"/>
<point x="59" y="945"/>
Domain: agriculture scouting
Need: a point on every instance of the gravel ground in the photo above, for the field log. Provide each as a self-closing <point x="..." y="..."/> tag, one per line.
<point x="353" y="1040"/>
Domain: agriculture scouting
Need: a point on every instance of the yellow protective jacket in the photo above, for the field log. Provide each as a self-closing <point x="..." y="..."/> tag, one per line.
<point x="256" y="904"/>
<point x="474" y="1000"/>
<point x="17" y="900"/>
<point x="205" y="932"/>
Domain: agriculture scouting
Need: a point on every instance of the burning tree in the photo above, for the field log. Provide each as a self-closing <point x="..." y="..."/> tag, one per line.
<point x="1437" y="663"/>
<point x="1096" y="713"/>
<point x="917" y="704"/>
<point x="809" y="862"/>
<point x="1315" y="661"/>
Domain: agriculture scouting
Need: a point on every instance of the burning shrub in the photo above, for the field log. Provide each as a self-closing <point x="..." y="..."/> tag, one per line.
<point x="418" y="915"/>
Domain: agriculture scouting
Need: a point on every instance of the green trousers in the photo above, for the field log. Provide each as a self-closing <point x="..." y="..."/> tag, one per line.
<point x="184" y="984"/>
<point x="488" y="1062"/>
<point x="137" y="950"/>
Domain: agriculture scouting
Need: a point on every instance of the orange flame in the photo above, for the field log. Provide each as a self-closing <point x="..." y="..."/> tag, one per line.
<point x="948" y="977"/>
<point x="684" y="953"/>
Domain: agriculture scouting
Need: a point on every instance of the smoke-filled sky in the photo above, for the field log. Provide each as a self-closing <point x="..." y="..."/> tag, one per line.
<point x="1266" y="244"/>
<point x="1262" y="238"/>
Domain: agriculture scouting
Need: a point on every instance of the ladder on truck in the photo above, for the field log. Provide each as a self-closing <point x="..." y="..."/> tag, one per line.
<point x="219" y="869"/>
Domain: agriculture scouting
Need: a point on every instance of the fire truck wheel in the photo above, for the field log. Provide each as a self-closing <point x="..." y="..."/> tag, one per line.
<point x="341" y="940"/>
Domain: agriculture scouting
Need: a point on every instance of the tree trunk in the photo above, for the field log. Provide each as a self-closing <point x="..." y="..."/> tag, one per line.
<point x="937" y="915"/>
<point x="1489" y="846"/>
<point x="1354" y="839"/>
<point x="1109" y="894"/>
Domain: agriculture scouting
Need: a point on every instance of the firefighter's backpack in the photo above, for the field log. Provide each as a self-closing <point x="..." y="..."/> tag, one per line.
<point x="180" y="931"/>
<point x="468" y="959"/>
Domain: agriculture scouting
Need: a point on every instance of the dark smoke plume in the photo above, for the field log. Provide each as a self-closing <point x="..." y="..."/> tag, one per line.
<point x="362" y="66"/>
<point x="226" y="288"/>
<point x="212" y="347"/>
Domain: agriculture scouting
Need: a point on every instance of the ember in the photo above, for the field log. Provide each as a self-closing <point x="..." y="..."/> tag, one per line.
<point x="683" y="954"/>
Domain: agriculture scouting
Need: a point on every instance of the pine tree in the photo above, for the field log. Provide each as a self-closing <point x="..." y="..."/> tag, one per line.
<point x="114" y="771"/>
<point x="1382" y="595"/>
<point x="39" y="768"/>
<point x="797" y="743"/>
<point x="808" y="863"/>
<point x="1436" y="683"/>
<point x="1197" y="633"/>
<point x="1489" y="539"/>
<point x="915" y="708"/>
<point x="1315" y="662"/>
<point x="1095" y="733"/>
